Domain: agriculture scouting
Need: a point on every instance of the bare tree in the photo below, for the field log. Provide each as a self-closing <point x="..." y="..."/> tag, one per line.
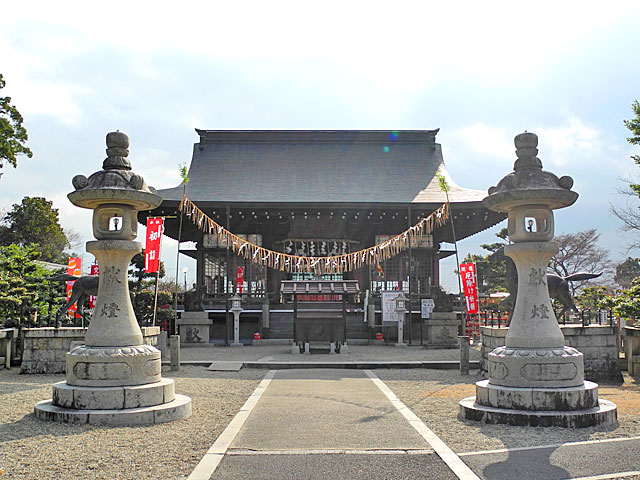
<point x="74" y="239"/>
<point x="627" y="271"/>
<point x="579" y="252"/>
<point x="629" y="214"/>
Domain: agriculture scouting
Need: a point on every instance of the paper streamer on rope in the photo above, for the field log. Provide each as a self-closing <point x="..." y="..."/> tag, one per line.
<point x="319" y="265"/>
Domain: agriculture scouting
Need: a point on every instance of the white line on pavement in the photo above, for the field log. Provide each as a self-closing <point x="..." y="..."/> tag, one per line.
<point x="609" y="476"/>
<point x="459" y="468"/>
<point x="553" y="445"/>
<point x="213" y="457"/>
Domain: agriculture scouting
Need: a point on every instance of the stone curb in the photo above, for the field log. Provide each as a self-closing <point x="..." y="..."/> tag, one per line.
<point x="359" y="365"/>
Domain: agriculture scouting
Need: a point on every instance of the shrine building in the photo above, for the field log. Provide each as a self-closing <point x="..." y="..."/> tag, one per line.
<point x="317" y="193"/>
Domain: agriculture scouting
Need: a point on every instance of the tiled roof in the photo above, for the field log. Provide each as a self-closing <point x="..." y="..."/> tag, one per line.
<point x="349" y="166"/>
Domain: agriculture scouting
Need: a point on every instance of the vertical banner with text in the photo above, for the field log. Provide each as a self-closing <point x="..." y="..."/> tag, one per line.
<point x="239" y="279"/>
<point x="74" y="267"/>
<point x="152" y="246"/>
<point x="469" y="283"/>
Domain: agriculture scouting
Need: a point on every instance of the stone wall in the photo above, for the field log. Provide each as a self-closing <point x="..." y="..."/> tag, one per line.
<point x="45" y="348"/>
<point x="598" y="344"/>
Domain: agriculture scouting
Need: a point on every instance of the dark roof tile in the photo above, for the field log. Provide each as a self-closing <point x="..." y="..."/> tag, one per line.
<point x="350" y="166"/>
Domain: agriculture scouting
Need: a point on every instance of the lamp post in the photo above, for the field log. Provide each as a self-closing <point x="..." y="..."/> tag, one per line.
<point x="236" y="309"/>
<point x="184" y="271"/>
<point x="401" y="302"/>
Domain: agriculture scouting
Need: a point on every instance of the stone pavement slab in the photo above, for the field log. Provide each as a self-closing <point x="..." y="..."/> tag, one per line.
<point x="314" y="423"/>
<point x="572" y="460"/>
<point x="328" y="466"/>
<point x="223" y="366"/>
<point x="325" y="409"/>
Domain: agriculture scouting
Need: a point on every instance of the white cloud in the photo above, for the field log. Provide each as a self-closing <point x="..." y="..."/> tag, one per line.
<point x="55" y="100"/>
<point x="157" y="168"/>
<point x="493" y="142"/>
<point x="558" y="144"/>
<point x="405" y="43"/>
<point x="72" y="217"/>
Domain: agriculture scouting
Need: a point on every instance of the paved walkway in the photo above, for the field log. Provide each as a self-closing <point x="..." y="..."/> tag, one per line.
<point x="319" y="423"/>
<point x="310" y="424"/>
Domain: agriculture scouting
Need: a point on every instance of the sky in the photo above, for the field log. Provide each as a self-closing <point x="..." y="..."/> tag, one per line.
<point x="482" y="72"/>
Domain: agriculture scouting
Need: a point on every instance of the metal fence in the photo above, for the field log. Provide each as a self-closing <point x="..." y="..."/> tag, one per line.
<point x="500" y="318"/>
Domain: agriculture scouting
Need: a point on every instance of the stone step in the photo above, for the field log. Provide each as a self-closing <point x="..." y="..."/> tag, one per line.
<point x="113" y="398"/>
<point x="536" y="398"/>
<point x="178" y="409"/>
<point x="604" y="414"/>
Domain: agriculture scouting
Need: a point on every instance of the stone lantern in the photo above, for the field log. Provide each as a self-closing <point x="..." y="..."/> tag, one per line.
<point x="236" y="309"/>
<point x="401" y="310"/>
<point x="535" y="379"/>
<point x="114" y="378"/>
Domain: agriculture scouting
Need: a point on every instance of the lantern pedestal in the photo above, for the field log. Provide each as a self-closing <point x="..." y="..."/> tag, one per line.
<point x="194" y="328"/>
<point x="576" y="407"/>
<point x="535" y="379"/>
<point x="442" y="330"/>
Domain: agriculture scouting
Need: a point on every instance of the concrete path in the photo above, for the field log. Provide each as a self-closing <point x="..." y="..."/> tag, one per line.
<point x="600" y="459"/>
<point x="310" y="424"/>
<point x="347" y="424"/>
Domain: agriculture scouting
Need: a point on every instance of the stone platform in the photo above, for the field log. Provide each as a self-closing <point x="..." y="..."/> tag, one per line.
<point x="177" y="409"/>
<point x="603" y="414"/>
<point x="569" y="407"/>
<point x="114" y="386"/>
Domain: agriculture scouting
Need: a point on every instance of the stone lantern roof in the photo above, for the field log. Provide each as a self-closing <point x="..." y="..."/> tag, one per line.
<point x="529" y="184"/>
<point x="116" y="182"/>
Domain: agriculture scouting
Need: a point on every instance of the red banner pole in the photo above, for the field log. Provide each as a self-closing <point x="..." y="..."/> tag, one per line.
<point x="160" y="232"/>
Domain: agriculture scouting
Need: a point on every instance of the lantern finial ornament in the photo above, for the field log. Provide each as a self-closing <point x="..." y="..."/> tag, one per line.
<point x="117" y="152"/>
<point x="526" y="151"/>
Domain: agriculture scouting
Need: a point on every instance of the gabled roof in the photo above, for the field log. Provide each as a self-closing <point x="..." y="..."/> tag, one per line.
<point x="320" y="166"/>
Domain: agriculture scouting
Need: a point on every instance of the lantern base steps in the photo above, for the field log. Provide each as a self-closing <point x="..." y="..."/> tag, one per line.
<point x="114" y="386"/>
<point x="177" y="409"/>
<point x="569" y="407"/>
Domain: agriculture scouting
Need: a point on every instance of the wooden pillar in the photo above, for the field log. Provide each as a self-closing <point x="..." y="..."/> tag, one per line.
<point x="344" y="314"/>
<point x="295" y="314"/>
<point x="200" y="266"/>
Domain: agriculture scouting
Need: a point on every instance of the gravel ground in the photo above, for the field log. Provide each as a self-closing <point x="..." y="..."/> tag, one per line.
<point x="33" y="449"/>
<point x="433" y="395"/>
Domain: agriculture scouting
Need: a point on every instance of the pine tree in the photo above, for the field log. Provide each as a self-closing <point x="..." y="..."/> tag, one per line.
<point x="12" y="134"/>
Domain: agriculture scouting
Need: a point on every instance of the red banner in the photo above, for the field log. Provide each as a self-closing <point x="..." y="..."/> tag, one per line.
<point x="95" y="270"/>
<point x="74" y="267"/>
<point x="239" y="279"/>
<point x="152" y="247"/>
<point x="470" y="286"/>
